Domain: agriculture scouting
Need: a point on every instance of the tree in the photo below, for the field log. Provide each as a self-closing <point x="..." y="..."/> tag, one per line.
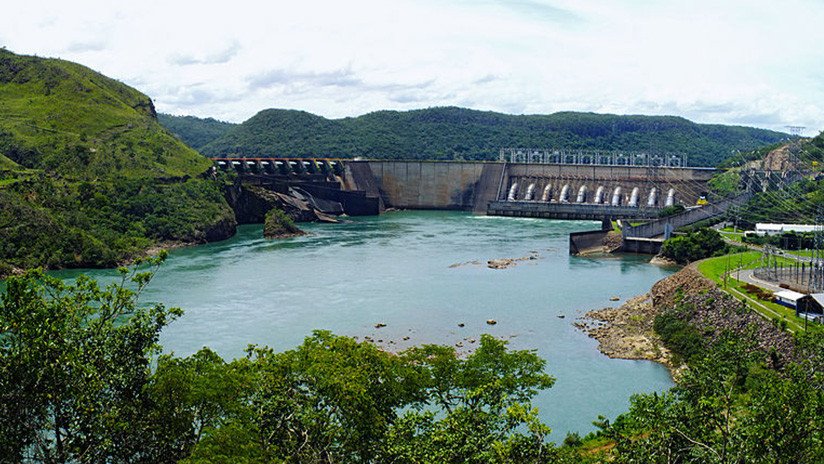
<point x="726" y="184"/>
<point x="330" y="400"/>
<point x="700" y="244"/>
<point x="333" y="399"/>
<point x="193" y="398"/>
<point x="74" y="361"/>
<point x="728" y="408"/>
<point x="478" y="408"/>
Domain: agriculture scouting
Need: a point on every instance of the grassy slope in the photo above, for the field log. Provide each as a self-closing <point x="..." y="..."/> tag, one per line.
<point x="97" y="179"/>
<point x="447" y="133"/>
<point x="63" y="117"/>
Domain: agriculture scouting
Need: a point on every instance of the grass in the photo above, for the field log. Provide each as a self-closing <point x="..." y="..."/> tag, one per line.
<point x="716" y="268"/>
<point x="88" y="177"/>
<point x="804" y="253"/>
<point x="7" y="164"/>
<point x="737" y="237"/>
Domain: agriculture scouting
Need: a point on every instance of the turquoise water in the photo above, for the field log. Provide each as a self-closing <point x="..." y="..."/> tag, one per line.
<point x="397" y="269"/>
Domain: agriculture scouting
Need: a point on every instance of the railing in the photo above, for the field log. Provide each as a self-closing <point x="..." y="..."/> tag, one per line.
<point x="569" y="210"/>
<point x="592" y="157"/>
<point x="665" y="226"/>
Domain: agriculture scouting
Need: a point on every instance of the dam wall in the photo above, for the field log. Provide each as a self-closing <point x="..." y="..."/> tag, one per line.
<point x="427" y="184"/>
<point x="472" y="186"/>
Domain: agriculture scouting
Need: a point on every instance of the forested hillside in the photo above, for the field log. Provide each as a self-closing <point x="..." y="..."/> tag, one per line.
<point x="195" y="132"/>
<point x="88" y="177"/>
<point x="458" y="133"/>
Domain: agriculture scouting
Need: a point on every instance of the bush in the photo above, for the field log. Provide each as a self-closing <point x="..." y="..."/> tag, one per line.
<point x="670" y="210"/>
<point x="49" y="222"/>
<point x="279" y="225"/>
<point x="681" y="337"/>
<point x="700" y="244"/>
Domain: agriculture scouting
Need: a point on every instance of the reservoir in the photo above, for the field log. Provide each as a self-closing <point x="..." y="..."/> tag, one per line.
<point x="422" y="273"/>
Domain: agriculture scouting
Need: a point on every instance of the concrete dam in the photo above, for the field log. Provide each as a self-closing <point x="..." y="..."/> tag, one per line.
<point x="562" y="191"/>
<point x="538" y="190"/>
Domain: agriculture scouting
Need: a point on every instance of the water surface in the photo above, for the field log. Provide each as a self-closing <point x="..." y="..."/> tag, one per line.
<point x="396" y="269"/>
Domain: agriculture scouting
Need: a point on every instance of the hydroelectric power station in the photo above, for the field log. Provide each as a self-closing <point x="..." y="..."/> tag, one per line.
<point x="557" y="184"/>
<point x="588" y="188"/>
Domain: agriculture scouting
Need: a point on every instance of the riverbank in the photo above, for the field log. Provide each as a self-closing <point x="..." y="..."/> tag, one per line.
<point x="626" y="332"/>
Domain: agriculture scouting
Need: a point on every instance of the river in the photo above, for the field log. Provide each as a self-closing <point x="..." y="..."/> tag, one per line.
<point x="397" y="269"/>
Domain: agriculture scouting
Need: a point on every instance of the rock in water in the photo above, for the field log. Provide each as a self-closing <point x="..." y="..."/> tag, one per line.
<point x="491" y="321"/>
<point x="280" y="225"/>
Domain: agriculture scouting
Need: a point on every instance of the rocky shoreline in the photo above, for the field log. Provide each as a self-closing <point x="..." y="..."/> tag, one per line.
<point x="626" y="332"/>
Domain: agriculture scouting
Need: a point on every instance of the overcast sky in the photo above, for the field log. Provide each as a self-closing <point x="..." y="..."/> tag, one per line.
<point x="747" y="62"/>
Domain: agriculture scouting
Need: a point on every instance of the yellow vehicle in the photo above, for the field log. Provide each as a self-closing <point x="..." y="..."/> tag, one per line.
<point x="702" y="200"/>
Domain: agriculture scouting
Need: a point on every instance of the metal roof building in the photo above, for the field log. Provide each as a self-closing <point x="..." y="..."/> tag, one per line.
<point x="771" y="229"/>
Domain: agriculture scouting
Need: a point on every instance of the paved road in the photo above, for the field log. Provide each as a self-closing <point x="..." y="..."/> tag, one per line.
<point x="746" y="275"/>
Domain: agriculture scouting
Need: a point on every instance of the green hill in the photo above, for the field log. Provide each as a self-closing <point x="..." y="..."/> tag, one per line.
<point x="195" y="132"/>
<point x="63" y="117"/>
<point x="88" y="177"/>
<point x="458" y="133"/>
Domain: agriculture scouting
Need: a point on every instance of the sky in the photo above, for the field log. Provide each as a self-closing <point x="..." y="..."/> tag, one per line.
<point x="743" y="62"/>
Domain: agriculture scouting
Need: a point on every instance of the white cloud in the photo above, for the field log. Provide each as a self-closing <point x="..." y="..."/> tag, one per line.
<point x="223" y="55"/>
<point x="752" y="62"/>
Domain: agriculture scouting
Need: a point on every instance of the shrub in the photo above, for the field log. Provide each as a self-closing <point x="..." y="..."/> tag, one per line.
<point x="700" y="244"/>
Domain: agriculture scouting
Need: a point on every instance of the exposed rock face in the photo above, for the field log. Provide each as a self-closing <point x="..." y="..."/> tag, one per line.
<point x="714" y="312"/>
<point x="659" y="260"/>
<point x="686" y="281"/>
<point x="780" y="159"/>
<point x="251" y="203"/>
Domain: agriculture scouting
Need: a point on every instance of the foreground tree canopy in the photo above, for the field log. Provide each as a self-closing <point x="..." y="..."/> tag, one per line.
<point x="82" y="380"/>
